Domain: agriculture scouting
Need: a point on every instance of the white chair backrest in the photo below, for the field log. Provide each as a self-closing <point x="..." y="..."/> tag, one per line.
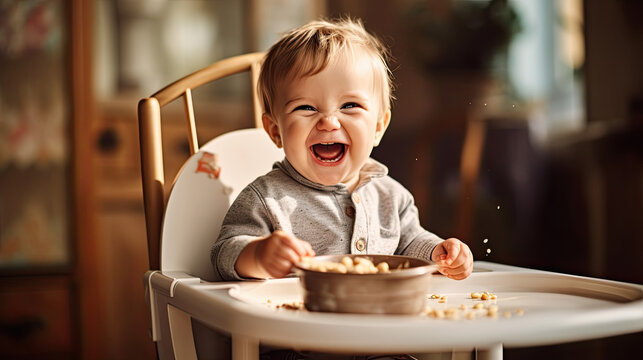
<point x="205" y="187"/>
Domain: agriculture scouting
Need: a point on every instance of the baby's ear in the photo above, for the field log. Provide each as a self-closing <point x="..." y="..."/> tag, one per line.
<point x="380" y="127"/>
<point x="272" y="128"/>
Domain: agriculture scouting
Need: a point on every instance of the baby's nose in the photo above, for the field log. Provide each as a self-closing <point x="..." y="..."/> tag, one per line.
<point x="328" y="123"/>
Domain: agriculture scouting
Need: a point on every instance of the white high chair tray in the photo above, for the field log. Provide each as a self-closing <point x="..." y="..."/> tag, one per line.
<point x="557" y="308"/>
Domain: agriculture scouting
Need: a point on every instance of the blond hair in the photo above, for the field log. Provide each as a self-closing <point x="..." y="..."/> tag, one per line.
<point x="307" y="50"/>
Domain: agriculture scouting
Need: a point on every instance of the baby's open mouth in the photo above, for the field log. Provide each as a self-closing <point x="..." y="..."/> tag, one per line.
<point x="329" y="152"/>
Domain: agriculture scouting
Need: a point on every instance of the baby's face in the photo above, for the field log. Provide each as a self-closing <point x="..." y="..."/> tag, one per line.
<point x="329" y="123"/>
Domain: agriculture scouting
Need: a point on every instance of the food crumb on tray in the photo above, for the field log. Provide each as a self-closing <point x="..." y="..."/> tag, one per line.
<point x="487" y="307"/>
<point x="292" y="305"/>
<point x="477" y="310"/>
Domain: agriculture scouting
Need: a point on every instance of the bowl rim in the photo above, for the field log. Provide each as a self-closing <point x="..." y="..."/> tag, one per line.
<point x="427" y="268"/>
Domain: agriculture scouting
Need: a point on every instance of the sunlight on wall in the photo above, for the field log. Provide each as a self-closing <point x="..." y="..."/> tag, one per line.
<point x="545" y="65"/>
<point x="189" y="37"/>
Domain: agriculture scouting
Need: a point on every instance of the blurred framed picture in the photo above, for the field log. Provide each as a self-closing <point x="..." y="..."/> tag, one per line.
<point x="35" y="137"/>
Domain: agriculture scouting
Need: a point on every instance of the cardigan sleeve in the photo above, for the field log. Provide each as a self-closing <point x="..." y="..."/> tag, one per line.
<point x="246" y="220"/>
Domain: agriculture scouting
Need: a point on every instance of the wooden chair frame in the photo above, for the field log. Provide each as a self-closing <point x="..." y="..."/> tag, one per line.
<point x="149" y="114"/>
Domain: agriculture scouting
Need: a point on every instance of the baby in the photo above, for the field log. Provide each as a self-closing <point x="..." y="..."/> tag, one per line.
<point x="326" y="89"/>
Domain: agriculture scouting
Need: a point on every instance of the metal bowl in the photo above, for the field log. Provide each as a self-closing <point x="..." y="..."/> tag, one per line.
<point x="397" y="292"/>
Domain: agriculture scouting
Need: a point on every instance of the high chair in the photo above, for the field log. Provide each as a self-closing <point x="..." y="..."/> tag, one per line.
<point x="191" y="316"/>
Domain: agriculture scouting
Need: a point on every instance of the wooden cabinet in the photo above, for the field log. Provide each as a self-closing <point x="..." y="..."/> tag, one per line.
<point x="36" y="318"/>
<point x="48" y="302"/>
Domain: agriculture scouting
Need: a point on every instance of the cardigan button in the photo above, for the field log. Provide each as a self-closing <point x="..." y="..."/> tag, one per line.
<point x="350" y="211"/>
<point x="360" y="245"/>
<point x="356" y="198"/>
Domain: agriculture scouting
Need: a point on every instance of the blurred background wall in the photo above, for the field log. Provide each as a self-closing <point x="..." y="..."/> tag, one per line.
<point x="550" y="91"/>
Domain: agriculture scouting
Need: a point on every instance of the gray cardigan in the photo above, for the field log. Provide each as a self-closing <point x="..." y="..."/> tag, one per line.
<point x="379" y="217"/>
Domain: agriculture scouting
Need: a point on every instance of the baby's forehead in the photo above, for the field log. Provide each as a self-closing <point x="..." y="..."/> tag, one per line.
<point x="348" y="56"/>
<point x="354" y="63"/>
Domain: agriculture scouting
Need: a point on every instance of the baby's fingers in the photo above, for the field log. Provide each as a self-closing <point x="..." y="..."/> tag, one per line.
<point x="456" y="273"/>
<point x="289" y="256"/>
<point x="299" y="247"/>
<point x="461" y="267"/>
<point x="452" y="248"/>
<point x="309" y="249"/>
<point x="464" y="258"/>
<point x="278" y="266"/>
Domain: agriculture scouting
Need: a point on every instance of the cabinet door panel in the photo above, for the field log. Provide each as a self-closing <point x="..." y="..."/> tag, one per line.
<point x="35" y="319"/>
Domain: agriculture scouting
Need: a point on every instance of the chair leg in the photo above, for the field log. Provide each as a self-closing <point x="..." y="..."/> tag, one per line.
<point x="462" y="355"/>
<point x="491" y="353"/>
<point x="244" y="348"/>
<point x="182" y="337"/>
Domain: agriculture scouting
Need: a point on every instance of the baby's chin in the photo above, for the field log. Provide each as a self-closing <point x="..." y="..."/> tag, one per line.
<point x="333" y="179"/>
<point x="324" y="175"/>
<point x="326" y="180"/>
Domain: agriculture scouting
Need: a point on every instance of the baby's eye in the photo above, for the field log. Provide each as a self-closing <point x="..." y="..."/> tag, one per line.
<point x="350" y="105"/>
<point x="304" y="108"/>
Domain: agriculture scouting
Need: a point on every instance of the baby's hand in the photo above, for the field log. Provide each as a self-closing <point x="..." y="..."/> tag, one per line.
<point x="279" y="252"/>
<point x="454" y="259"/>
